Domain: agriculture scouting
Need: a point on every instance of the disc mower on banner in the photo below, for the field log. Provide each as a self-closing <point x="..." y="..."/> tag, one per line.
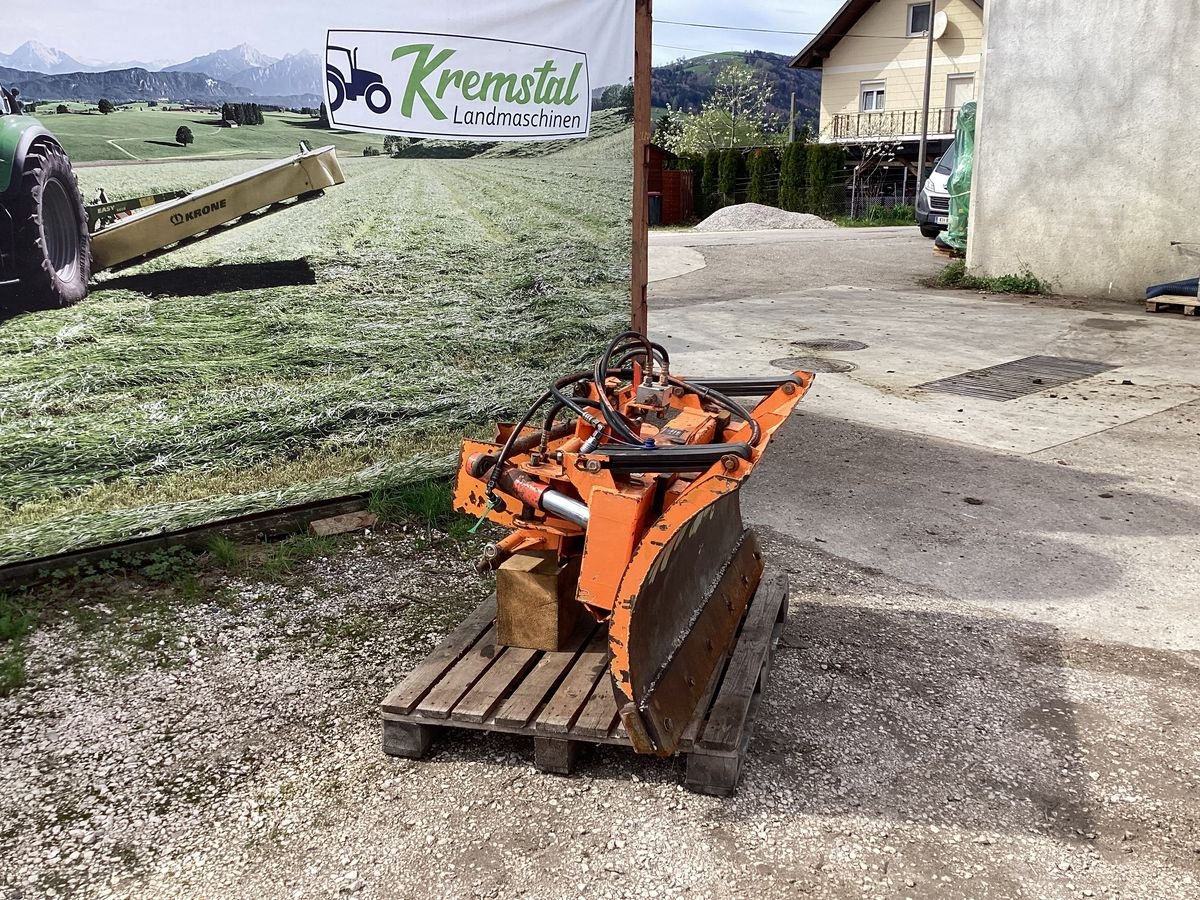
<point x="622" y="482"/>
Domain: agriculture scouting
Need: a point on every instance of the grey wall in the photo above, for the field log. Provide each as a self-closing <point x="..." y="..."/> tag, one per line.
<point x="1087" y="160"/>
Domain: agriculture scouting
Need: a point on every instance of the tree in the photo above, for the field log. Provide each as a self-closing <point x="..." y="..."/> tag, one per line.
<point x="825" y="162"/>
<point x="764" y="187"/>
<point x="183" y="136"/>
<point x="618" y="96"/>
<point x="61" y="109"/>
<point x="324" y="116"/>
<point x="736" y="115"/>
<point x="666" y="130"/>
<point x="394" y="145"/>
<point x="792" y="177"/>
<point x="708" y="182"/>
<point x="105" y="105"/>
<point x="727" y="176"/>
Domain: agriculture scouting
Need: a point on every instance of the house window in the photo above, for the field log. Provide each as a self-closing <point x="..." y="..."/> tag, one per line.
<point x="959" y="89"/>
<point x="872" y="96"/>
<point x="918" y="18"/>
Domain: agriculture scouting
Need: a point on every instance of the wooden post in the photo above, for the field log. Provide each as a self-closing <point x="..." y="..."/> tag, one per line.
<point x="642" y="73"/>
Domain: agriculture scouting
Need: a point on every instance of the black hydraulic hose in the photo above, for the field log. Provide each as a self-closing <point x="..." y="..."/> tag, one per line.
<point x="557" y="408"/>
<point x="554" y="391"/>
<point x="615" y="422"/>
<point x="635" y="354"/>
<point x="494" y="475"/>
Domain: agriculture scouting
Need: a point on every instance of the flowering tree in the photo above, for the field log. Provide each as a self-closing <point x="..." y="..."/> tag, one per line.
<point x="736" y="115"/>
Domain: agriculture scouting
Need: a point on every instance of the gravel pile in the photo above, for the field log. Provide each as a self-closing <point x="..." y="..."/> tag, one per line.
<point x="908" y="746"/>
<point x="756" y="217"/>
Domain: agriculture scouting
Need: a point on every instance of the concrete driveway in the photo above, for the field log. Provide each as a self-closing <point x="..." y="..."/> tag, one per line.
<point x="1090" y="507"/>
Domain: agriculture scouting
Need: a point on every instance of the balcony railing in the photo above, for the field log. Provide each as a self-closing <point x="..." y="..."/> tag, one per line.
<point x="890" y="124"/>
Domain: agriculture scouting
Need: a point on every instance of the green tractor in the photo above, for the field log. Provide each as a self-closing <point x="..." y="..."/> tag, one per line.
<point x="45" y="253"/>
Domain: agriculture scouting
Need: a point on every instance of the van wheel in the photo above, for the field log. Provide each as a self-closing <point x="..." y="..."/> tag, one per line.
<point x="53" y="245"/>
<point x="930" y="231"/>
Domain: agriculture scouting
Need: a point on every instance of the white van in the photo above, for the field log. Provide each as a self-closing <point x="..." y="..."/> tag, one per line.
<point x="933" y="200"/>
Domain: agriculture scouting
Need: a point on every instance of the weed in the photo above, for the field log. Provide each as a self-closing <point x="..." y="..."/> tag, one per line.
<point x="225" y="553"/>
<point x="12" y="668"/>
<point x="170" y="565"/>
<point x="955" y="275"/>
<point x="281" y="558"/>
<point x="428" y="501"/>
<point x="16" y="623"/>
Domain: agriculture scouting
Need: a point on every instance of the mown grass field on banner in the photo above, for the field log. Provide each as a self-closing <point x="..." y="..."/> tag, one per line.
<point x="331" y="348"/>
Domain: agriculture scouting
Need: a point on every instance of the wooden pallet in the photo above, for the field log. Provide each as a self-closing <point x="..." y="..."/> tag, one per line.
<point x="564" y="699"/>
<point x="1189" y="306"/>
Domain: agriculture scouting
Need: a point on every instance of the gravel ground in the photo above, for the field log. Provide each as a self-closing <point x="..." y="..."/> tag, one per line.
<point x="227" y="745"/>
<point x="756" y="217"/>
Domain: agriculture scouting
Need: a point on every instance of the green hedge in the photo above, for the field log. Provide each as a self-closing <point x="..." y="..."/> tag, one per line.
<point x="793" y="173"/>
<point x="709" y="183"/>
<point x="728" y="173"/>
<point x="823" y="164"/>
<point x="763" y="187"/>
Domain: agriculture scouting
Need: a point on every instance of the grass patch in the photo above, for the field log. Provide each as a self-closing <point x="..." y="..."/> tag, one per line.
<point x="277" y="560"/>
<point x="224" y="553"/>
<point x="879" y="216"/>
<point x="429" y="503"/>
<point x="955" y="275"/>
<point x="16" y="623"/>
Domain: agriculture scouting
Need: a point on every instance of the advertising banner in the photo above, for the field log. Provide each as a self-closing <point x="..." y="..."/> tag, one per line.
<point x="519" y="70"/>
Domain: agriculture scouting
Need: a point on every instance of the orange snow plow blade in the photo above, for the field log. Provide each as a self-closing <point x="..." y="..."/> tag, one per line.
<point x="630" y="513"/>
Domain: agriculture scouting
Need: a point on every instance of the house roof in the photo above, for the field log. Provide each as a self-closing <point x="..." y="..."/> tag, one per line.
<point x="819" y="48"/>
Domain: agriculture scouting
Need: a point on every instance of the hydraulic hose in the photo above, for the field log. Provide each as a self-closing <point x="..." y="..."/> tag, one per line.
<point x="614" y="419"/>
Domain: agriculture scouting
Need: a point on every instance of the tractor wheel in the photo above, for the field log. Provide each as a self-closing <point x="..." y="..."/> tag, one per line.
<point x="378" y="98"/>
<point x="337" y="92"/>
<point x="53" y="247"/>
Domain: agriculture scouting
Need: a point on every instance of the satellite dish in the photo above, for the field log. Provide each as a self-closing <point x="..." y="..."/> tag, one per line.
<point x="940" y="21"/>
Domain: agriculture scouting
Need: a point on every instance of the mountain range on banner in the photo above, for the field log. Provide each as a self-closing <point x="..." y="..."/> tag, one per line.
<point x="245" y="73"/>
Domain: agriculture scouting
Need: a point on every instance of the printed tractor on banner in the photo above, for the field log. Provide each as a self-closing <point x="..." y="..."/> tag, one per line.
<point x="361" y="83"/>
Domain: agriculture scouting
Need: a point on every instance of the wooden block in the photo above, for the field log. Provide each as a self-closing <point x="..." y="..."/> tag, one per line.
<point x="554" y="756"/>
<point x="355" y="521"/>
<point x="535" y="601"/>
<point x="407" y="739"/>
<point x="715" y="774"/>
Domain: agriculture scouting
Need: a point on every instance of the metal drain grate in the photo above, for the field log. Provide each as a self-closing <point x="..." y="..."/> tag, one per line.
<point x="1018" y="378"/>
<point x="816" y="364"/>
<point x="829" y="344"/>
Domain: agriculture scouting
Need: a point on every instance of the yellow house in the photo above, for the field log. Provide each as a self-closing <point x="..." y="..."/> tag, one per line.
<point x="872" y="61"/>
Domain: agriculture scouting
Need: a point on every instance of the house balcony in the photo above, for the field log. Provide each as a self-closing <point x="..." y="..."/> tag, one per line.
<point x="891" y="125"/>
